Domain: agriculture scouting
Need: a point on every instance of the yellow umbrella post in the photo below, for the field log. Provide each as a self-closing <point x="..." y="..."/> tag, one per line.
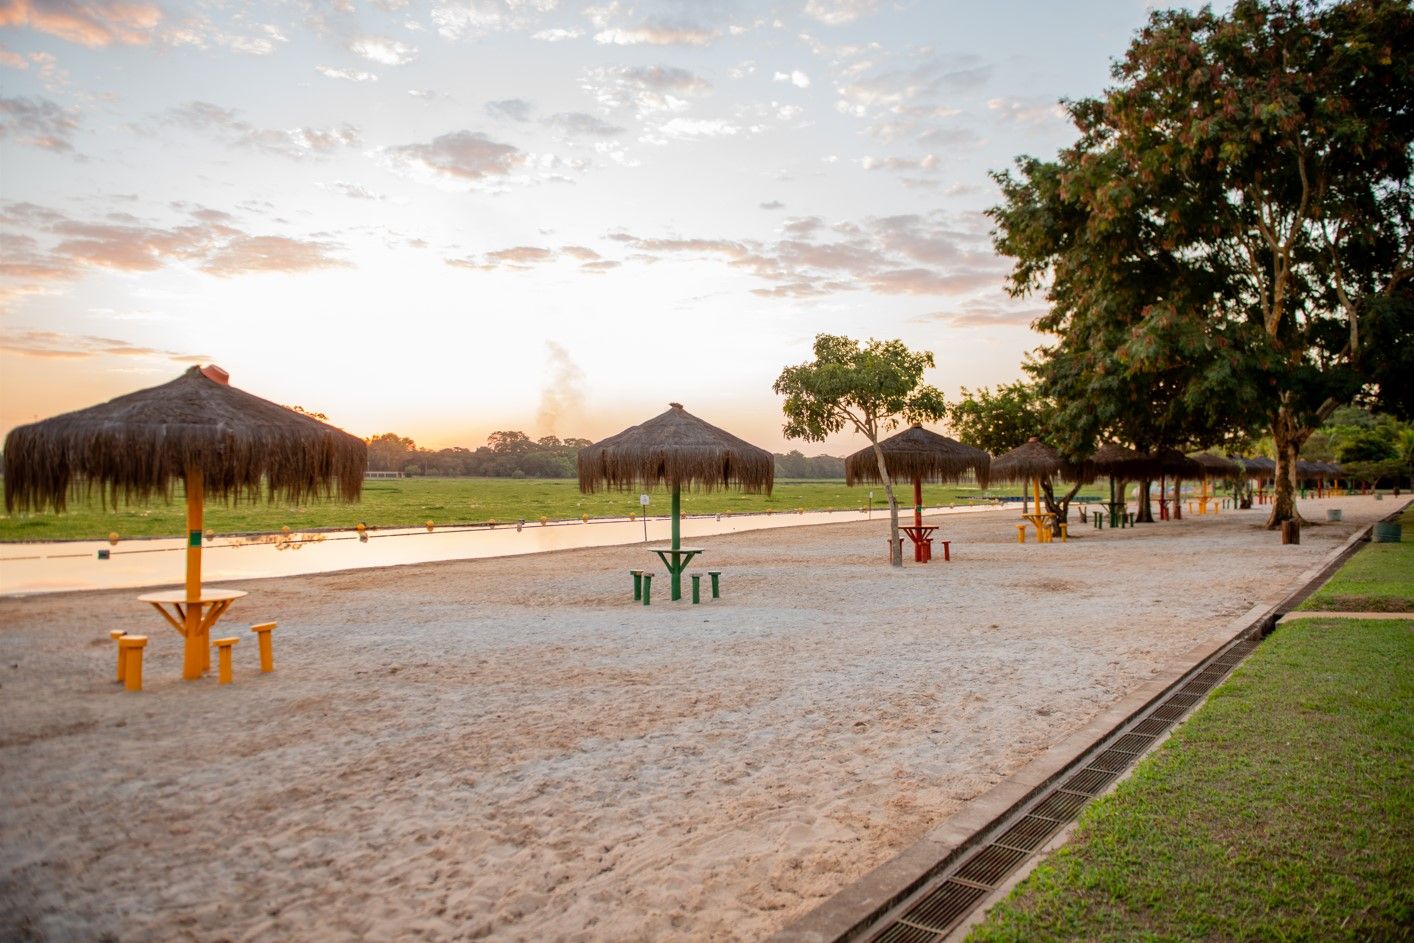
<point x="197" y="654"/>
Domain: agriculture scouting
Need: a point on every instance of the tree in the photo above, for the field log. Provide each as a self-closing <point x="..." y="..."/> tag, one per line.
<point x="1001" y="421"/>
<point x="389" y="452"/>
<point x="871" y="387"/>
<point x="1273" y="144"/>
<point x="510" y="443"/>
<point x="1247" y="180"/>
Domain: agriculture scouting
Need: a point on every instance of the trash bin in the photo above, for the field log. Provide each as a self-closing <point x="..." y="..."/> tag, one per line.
<point x="1388" y="532"/>
<point x="1333" y="514"/>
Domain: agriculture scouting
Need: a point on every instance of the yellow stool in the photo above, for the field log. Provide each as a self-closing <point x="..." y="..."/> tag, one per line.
<point x="116" y="634"/>
<point x="1021" y="533"/>
<point x="1065" y="532"/>
<point x="267" y="648"/>
<point x="223" y="654"/>
<point x="130" y="649"/>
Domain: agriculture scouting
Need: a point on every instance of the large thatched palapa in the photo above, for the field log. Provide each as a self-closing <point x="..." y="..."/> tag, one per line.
<point x="1215" y="466"/>
<point x="1035" y="459"/>
<point x="678" y="450"/>
<point x="1118" y="461"/>
<point x="214" y="438"/>
<point x="918" y="454"/>
<point x="675" y="449"/>
<point x="137" y="445"/>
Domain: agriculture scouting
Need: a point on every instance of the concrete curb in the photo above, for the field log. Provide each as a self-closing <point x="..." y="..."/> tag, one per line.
<point x="851" y="912"/>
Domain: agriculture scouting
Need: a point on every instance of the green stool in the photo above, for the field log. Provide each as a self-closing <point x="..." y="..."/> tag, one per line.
<point x="696" y="588"/>
<point x="647" y="586"/>
<point x="637" y="584"/>
<point x="1099" y="520"/>
<point x="716" y="590"/>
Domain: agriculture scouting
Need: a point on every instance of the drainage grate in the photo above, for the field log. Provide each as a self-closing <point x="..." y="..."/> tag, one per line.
<point x="903" y="933"/>
<point x="1132" y="743"/>
<point x="942" y="908"/>
<point x="1152" y="727"/>
<point x="991" y="864"/>
<point x="936" y="910"/>
<point x="1113" y="761"/>
<point x="1060" y="805"/>
<point x="1029" y="833"/>
<point x="1091" y="781"/>
<point x="1170" y="712"/>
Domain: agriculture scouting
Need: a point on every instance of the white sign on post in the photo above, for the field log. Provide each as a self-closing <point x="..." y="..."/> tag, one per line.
<point x="643" y="500"/>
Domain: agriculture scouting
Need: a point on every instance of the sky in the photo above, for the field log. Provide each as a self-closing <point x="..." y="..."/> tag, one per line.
<point x="452" y="218"/>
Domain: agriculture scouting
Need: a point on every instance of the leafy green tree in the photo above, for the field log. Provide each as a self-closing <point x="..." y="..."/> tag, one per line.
<point x="999" y="421"/>
<point x="1249" y="175"/>
<point x="871" y="387"/>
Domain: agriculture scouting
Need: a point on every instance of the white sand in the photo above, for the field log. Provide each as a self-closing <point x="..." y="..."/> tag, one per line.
<point x="512" y="749"/>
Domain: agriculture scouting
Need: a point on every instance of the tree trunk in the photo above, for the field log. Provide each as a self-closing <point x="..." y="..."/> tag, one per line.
<point x="1146" y="509"/>
<point x="1061" y="509"/>
<point x="895" y="551"/>
<point x="1177" y="498"/>
<point x="1289" y="438"/>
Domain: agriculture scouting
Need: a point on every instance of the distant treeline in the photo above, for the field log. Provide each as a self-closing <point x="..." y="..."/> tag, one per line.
<point x="511" y="454"/>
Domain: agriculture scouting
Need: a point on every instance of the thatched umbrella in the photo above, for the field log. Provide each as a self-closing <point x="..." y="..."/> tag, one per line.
<point x="217" y="439"/>
<point x="1118" y="462"/>
<point x="920" y="455"/>
<point x="679" y="450"/>
<point x="1173" y="462"/>
<point x="1033" y="461"/>
<point x="1213" y="466"/>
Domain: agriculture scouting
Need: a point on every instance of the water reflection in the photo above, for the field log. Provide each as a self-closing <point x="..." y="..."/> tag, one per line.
<point x="71" y="565"/>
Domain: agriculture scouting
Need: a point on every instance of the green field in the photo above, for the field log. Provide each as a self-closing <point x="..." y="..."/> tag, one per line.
<point x="1283" y="809"/>
<point x="410" y="502"/>
<point x="1380" y="578"/>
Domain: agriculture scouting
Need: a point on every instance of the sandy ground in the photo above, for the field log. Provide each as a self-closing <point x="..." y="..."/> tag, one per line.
<point x="511" y="749"/>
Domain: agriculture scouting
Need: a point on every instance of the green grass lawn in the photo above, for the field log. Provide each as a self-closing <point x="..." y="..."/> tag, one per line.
<point x="409" y="502"/>
<point x="1380" y="578"/>
<point x="1282" y="810"/>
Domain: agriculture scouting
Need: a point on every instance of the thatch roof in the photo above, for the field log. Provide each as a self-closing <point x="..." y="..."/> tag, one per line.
<point x="1118" y="461"/>
<point x="675" y="448"/>
<point x="139" y="443"/>
<point x="1035" y="459"/>
<point x="1175" y="463"/>
<point x="1259" y="466"/>
<point x="918" y="453"/>
<point x="1215" y="466"/>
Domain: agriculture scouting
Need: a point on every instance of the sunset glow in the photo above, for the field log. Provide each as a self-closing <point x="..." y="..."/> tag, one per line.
<point x="447" y="219"/>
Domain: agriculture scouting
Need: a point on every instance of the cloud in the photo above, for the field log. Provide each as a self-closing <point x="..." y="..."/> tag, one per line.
<point x="350" y="75"/>
<point x="353" y="190"/>
<point x="773" y="205"/>
<point x="583" y="253"/>
<point x="646" y="89"/>
<point x="465" y="155"/>
<point x="243" y="255"/>
<point x="471" y="19"/>
<point x="1017" y="112"/>
<point x="91" y="23"/>
<point x="525" y="258"/>
<point x="557" y="35"/>
<point x="927" y="163"/>
<point x="516" y="109"/>
<point x="521" y="255"/>
<point x="839" y="12"/>
<point x="916" y="254"/>
<point x="691" y="128"/>
<point x="382" y="50"/>
<point x="982" y="313"/>
<point x="38" y="122"/>
<point x="795" y="77"/>
<point x="43" y="245"/>
<point x="908" y="103"/>
<point x="227" y="125"/>
<point x="584" y="125"/>
<point x="54" y="345"/>
<point x="656" y="34"/>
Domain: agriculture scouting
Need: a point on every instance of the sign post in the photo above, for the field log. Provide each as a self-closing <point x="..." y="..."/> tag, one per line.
<point x="643" y="503"/>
